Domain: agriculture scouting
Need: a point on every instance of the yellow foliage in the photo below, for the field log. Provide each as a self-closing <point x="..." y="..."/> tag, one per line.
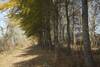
<point x="9" y="4"/>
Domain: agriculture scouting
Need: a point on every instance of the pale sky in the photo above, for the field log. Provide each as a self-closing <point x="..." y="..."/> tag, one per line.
<point x="3" y="20"/>
<point x="4" y="1"/>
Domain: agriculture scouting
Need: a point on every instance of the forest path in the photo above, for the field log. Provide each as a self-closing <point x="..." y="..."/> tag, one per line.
<point x="8" y="60"/>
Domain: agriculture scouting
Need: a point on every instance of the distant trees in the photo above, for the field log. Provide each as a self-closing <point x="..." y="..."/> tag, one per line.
<point x="6" y="37"/>
<point x="10" y="34"/>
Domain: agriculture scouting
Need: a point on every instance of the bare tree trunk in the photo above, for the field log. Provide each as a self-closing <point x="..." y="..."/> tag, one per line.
<point x="86" y="40"/>
<point x="68" y="28"/>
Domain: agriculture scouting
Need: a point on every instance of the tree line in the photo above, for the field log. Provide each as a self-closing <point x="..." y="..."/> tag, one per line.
<point x="60" y="24"/>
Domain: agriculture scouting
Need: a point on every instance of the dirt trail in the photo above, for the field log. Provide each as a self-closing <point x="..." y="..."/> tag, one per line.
<point x="13" y="57"/>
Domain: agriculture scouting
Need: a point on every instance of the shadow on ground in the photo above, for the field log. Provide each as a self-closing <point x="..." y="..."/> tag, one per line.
<point x="44" y="58"/>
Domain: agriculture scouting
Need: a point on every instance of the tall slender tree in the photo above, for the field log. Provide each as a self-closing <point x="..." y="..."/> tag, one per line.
<point x="86" y="40"/>
<point x="68" y="27"/>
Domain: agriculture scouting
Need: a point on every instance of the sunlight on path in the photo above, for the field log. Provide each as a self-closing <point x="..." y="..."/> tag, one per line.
<point x="9" y="60"/>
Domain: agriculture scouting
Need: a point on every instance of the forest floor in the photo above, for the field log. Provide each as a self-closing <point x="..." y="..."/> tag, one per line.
<point x="29" y="56"/>
<point x="10" y="58"/>
<point x="25" y="57"/>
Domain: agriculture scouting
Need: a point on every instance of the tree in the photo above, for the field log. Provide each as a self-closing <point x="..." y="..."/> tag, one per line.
<point x="86" y="41"/>
<point x="36" y="19"/>
<point x="68" y="27"/>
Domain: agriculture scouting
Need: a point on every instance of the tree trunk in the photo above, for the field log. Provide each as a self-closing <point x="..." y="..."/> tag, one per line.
<point x="68" y="28"/>
<point x="86" y="40"/>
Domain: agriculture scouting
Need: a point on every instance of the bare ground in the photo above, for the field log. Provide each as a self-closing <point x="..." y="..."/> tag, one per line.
<point x="29" y="56"/>
<point x="8" y="60"/>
